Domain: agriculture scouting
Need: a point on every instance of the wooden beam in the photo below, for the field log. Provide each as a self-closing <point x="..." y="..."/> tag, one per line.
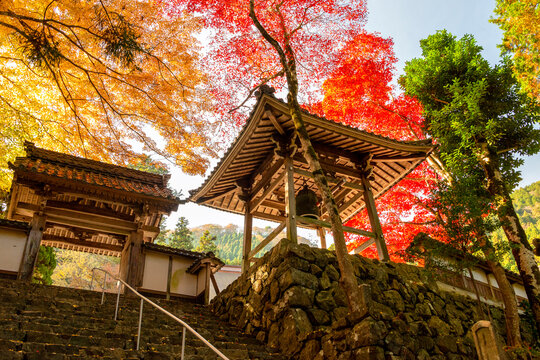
<point x="275" y="122"/>
<point x="256" y="202"/>
<point x="290" y="200"/>
<point x="269" y="217"/>
<point x="265" y="164"/>
<point x="324" y="224"/>
<point x="78" y="242"/>
<point x="214" y="197"/>
<point x="351" y="201"/>
<point x="214" y="283"/>
<point x="364" y="245"/>
<point x="346" y="184"/>
<point x="412" y="157"/>
<point x="267" y="239"/>
<point x="68" y="222"/>
<point x="374" y="220"/>
<point x="266" y="177"/>
<point x="81" y="216"/>
<point x="273" y="204"/>
<point x="338" y="152"/>
<point x="74" y="205"/>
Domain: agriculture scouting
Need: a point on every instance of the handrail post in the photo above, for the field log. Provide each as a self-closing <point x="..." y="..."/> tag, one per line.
<point x="183" y="342"/>
<point x="117" y="301"/>
<point x="123" y="284"/>
<point x="92" y="281"/>
<point x="140" y="324"/>
<point x="103" y="289"/>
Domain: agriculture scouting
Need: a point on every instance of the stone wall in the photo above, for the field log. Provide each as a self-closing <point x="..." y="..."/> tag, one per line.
<point x="291" y="299"/>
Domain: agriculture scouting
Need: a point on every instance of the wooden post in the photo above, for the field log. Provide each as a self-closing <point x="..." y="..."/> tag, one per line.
<point x="124" y="259"/>
<point x="136" y="259"/>
<point x="31" y="249"/>
<point x="207" y="284"/>
<point x="374" y="219"/>
<point x="248" y="224"/>
<point x="322" y="236"/>
<point x="214" y="283"/>
<point x="290" y="200"/>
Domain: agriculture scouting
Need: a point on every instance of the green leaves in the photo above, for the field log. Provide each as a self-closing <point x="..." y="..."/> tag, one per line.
<point x="468" y="103"/>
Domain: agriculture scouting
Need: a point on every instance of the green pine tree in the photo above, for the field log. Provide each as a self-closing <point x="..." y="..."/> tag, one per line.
<point x="181" y="237"/>
<point x="45" y="265"/>
<point x="207" y="243"/>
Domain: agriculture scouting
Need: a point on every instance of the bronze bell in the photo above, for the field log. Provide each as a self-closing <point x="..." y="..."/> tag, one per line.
<point x="306" y="203"/>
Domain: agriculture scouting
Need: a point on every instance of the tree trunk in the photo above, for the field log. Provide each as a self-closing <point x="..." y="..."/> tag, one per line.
<point x="513" y="333"/>
<point x="287" y="59"/>
<point x="521" y="249"/>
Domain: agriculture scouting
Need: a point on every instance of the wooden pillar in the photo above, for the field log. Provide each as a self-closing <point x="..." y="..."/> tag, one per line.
<point x="374" y="219"/>
<point x="322" y="236"/>
<point x="31" y="249"/>
<point x="136" y="259"/>
<point x="207" y="284"/>
<point x="248" y="225"/>
<point x="290" y="200"/>
<point x="124" y="259"/>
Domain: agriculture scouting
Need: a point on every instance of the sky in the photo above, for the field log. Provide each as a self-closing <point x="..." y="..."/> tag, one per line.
<point x="406" y="22"/>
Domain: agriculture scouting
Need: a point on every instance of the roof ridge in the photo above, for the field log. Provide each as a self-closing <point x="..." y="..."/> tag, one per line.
<point x="95" y="165"/>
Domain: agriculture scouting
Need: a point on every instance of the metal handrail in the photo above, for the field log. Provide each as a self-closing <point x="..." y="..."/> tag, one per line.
<point x="143" y="298"/>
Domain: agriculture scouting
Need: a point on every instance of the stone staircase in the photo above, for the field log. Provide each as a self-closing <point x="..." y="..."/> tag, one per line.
<point x="52" y="323"/>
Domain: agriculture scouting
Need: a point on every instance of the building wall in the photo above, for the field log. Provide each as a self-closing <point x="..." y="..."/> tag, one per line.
<point x="156" y="272"/>
<point x="224" y="277"/>
<point x="12" y="249"/>
<point x="201" y="280"/>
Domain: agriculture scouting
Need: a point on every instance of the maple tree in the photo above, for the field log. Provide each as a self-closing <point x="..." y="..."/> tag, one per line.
<point x="239" y="59"/>
<point x="91" y="78"/>
<point x="289" y="44"/>
<point x="520" y="21"/>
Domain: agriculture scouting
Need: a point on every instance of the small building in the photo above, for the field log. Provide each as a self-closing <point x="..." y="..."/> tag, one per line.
<point x="73" y="203"/>
<point x="13" y="236"/>
<point x="473" y="276"/>
<point x="179" y="273"/>
<point x="264" y="172"/>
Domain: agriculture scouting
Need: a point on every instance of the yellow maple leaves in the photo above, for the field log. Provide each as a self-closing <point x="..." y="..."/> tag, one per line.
<point x="92" y="78"/>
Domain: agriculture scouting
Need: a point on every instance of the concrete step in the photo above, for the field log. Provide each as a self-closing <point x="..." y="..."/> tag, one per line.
<point x="48" y="322"/>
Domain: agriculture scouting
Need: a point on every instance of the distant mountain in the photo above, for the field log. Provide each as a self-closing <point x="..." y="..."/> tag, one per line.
<point x="229" y="240"/>
<point x="527" y="204"/>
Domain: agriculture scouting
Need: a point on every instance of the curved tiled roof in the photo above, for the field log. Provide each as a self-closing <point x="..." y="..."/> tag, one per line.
<point x="85" y="172"/>
<point x="392" y="159"/>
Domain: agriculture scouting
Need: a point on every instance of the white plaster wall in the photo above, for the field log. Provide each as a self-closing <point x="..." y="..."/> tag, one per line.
<point x="479" y="275"/>
<point x="182" y="282"/>
<point x="201" y="280"/>
<point x="156" y="271"/>
<point x="520" y="290"/>
<point x="12" y="249"/>
<point x="224" y="277"/>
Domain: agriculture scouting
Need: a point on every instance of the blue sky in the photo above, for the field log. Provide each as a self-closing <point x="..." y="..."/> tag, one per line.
<point x="409" y="21"/>
<point x="406" y="22"/>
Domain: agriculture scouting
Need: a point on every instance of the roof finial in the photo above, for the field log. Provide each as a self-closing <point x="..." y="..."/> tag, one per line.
<point x="264" y="89"/>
